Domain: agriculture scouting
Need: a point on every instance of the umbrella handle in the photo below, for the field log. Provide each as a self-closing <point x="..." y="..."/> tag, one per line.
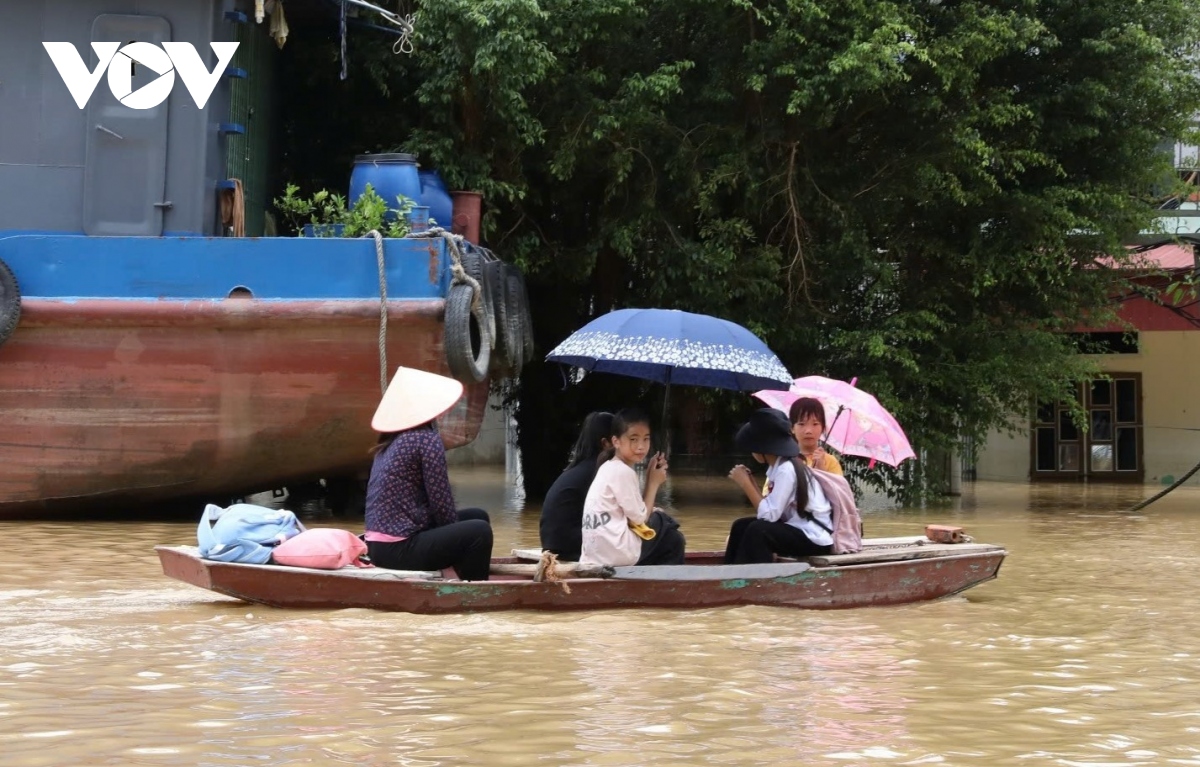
<point x="666" y="422"/>
<point x="835" y="420"/>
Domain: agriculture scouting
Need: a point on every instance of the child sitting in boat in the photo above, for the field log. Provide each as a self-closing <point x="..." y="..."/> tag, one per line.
<point x="794" y="519"/>
<point x="411" y="519"/>
<point x="561" y="525"/>
<point x="620" y="524"/>
<point x="807" y="415"/>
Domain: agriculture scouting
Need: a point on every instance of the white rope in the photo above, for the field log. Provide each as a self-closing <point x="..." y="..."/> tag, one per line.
<point x="383" y="365"/>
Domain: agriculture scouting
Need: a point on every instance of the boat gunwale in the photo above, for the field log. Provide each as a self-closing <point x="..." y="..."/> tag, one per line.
<point x="392" y="576"/>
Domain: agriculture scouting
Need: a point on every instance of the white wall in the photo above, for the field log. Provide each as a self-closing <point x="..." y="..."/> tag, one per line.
<point x="489" y="447"/>
<point x="1169" y="362"/>
<point x="1004" y="457"/>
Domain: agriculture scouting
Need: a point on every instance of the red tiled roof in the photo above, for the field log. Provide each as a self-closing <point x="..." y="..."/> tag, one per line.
<point x="1165" y="257"/>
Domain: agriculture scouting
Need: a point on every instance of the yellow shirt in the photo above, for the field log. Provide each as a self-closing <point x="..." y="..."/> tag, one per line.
<point x="831" y="465"/>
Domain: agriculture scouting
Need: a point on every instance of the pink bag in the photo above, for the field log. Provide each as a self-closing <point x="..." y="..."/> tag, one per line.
<point x="322" y="548"/>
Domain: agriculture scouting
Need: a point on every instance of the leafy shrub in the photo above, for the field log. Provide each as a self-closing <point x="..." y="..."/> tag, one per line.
<point x="327" y="215"/>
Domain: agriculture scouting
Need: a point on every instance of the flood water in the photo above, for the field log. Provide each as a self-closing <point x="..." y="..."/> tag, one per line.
<point x="1085" y="651"/>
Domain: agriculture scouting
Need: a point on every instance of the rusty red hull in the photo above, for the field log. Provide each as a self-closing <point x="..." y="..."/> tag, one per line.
<point x="822" y="588"/>
<point x="113" y="401"/>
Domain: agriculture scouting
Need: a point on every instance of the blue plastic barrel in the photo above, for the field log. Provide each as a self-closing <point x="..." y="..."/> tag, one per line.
<point x="434" y="195"/>
<point x="389" y="175"/>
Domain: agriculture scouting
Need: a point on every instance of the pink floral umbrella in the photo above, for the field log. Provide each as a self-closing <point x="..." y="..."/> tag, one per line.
<point x="858" y="424"/>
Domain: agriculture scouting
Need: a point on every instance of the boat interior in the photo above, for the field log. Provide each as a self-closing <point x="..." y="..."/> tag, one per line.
<point x="532" y="565"/>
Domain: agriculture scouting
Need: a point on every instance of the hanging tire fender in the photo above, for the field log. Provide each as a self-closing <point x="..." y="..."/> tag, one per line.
<point x="474" y="264"/>
<point x="10" y="302"/>
<point x="514" y="327"/>
<point x="496" y="275"/>
<point x="465" y="327"/>
<point x="528" y="350"/>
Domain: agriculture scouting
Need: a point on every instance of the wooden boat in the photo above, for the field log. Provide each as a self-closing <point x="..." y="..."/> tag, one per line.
<point x="889" y="571"/>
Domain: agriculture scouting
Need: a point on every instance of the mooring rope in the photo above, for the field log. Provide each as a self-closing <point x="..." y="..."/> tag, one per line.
<point x="547" y="571"/>
<point x="1177" y="483"/>
<point x="457" y="273"/>
<point x="383" y="364"/>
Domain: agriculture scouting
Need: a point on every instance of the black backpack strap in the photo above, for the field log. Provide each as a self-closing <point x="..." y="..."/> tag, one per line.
<point x="802" y="476"/>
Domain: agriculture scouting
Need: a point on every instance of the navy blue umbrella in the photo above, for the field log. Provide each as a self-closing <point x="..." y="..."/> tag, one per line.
<point x="674" y="347"/>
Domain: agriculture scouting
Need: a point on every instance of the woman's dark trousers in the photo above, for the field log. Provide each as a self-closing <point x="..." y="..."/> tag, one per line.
<point x="465" y="545"/>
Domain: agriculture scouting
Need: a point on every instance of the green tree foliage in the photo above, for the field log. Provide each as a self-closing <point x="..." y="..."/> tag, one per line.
<point x="913" y="192"/>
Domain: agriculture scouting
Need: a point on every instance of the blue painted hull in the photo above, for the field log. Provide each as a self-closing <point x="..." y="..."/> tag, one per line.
<point x="174" y="268"/>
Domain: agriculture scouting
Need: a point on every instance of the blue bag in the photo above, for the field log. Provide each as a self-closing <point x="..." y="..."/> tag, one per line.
<point x="244" y="532"/>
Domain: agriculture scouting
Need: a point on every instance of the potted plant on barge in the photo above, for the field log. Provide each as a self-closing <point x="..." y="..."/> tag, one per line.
<point x="326" y="214"/>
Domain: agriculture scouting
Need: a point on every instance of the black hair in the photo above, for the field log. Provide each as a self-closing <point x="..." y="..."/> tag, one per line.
<point x="621" y="423"/>
<point x="804" y="407"/>
<point x="596" y="428"/>
<point x="801" y="486"/>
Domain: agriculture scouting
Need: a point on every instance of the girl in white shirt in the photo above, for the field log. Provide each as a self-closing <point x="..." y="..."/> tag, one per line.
<point x="617" y="515"/>
<point x="794" y="519"/>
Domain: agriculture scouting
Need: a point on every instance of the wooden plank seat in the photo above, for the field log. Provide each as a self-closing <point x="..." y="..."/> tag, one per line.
<point x="562" y="569"/>
<point x="529" y="555"/>
<point x="710" y="572"/>
<point x="901" y="553"/>
<point x="896" y="549"/>
<point x="535" y="554"/>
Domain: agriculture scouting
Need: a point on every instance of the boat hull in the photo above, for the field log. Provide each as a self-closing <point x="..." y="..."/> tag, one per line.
<point x="216" y="373"/>
<point x="819" y="588"/>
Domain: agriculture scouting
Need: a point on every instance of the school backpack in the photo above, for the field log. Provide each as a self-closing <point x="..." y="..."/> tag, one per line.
<point x="847" y="523"/>
<point x="244" y="532"/>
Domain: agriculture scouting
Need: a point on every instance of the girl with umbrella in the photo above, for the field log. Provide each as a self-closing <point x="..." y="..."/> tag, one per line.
<point x="620" y="524"/>
<point x="807" y="415"/>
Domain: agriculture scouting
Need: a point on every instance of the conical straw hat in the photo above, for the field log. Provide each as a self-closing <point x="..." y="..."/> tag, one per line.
<point x="415" y="397"/>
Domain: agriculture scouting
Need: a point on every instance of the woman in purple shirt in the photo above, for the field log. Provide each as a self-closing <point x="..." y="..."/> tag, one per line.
<point x="411" y="520"/>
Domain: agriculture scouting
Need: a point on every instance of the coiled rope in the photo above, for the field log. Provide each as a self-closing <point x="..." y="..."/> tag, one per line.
<point x="458" y="274"/>
<point x="547" y="571"/>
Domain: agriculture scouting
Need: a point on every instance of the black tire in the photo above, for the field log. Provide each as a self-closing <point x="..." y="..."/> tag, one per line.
<point x="466" y="341"/>
<point x="496" y="275"/>
<point x="474" y="265"/>
<point x="527" y="349"/>
<point x="513" y="326"/>
<point x="10" y="302"/>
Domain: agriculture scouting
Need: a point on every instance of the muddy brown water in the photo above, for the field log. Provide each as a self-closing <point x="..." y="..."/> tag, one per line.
<point x="1083" y="652"/>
